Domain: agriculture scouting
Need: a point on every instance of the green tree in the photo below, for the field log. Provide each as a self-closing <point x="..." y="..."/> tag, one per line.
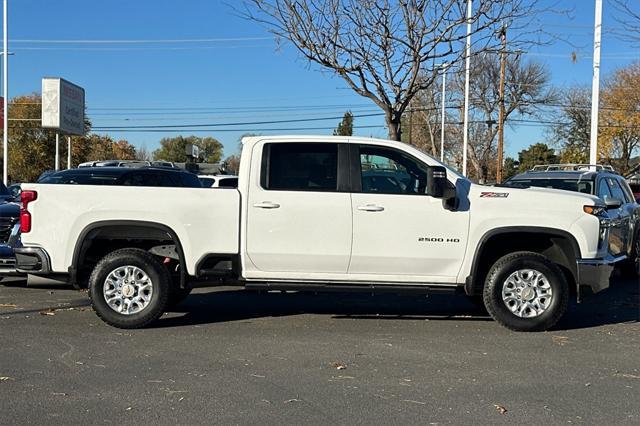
<point x="572" y="134"/>
<point x="173" y="149"/>
<point x="510" y="167"/>
<point x="345" y="127"/>
<point x="539" y="153"/>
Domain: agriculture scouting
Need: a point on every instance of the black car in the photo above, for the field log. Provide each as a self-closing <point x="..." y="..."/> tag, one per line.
<point x="9" y="224"/>
<point x="124" y="176"/>
<point x="603" y="182"/>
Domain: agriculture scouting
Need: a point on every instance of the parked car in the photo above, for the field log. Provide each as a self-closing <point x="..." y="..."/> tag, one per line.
<point x="219" y="181"/>
<point x="622" y="209"/>
<point x="9" y="230"/>
<point x="124" y="176"/>
<point x="634" y="184"/>
<point x="302" y="220"/>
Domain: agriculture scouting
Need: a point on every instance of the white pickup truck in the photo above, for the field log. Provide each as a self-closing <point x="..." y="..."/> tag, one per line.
<point x="322" y="213"/>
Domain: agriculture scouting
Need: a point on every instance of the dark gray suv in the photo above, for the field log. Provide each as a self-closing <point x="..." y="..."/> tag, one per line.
<point x="621" y="206"/>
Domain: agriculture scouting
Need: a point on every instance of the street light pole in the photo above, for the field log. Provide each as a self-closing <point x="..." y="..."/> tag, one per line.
<point x="465" y="138"/>
<point x="68" y="152"/>
<point x="595" y="88"/>
<point x="5" y="66"/>
<point x="445" y="66"/>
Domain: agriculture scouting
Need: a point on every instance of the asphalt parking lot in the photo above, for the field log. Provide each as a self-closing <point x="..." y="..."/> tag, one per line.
<point x="227" y="356"/>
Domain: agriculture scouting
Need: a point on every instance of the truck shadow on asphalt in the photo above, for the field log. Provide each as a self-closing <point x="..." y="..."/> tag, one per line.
<point x="619" y="304"/>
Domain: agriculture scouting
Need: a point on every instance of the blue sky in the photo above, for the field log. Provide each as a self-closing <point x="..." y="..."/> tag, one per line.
<point x="228" y="81"/>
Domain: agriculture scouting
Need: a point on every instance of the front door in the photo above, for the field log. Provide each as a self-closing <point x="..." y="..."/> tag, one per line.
<point x="397" y="229"/>
<point x="299" y="209"/>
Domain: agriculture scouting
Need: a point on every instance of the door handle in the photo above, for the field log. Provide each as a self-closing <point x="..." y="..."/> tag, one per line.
<point x="266" y="205"/>
<point x="371" y="208"/>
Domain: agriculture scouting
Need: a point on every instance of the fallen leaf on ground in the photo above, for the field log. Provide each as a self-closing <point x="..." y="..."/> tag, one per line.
<point x="8" y="305"/>
<point x="5" y="378"/>
<point x="292" y="400"/>
<point x="48" y="312"/>
<point x="339" y="366"/>
<point x="560" y="340"/>
<point x="627" y="376"/>
<point x="500" y="409"/>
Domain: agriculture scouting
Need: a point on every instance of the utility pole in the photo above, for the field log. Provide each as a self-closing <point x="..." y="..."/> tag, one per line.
<point x="5" y="66"/>
<point x="445" y="66"/>
<point x="465" y="138"/>
<point x="503" y="68"/>
<point x="595" y="88"/>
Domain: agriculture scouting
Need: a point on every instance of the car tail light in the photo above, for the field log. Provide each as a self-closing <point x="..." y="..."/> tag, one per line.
<point x="25" y="217"/>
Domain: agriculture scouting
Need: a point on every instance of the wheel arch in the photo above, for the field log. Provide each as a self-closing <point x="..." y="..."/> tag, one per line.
<point x="124" y="230"/>
<point x="560" y="246"/>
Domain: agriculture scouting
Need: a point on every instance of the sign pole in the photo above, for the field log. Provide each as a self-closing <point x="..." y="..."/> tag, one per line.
<point x="68" y="152"/>
<point x="57" y="151"/>
<point x="444" y="95"/>
<point x="5" y="112"/>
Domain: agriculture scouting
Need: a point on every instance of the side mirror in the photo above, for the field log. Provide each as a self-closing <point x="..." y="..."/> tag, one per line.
<point x="613" y="203"/>
<point x="438" y="186"/>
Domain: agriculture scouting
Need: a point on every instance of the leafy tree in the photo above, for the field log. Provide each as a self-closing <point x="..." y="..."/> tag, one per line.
<point x="539" y="153"/>
<point x="572" y="134"/>
<point x="387" y="50"/>
<point x="32" y="148"/>
<point x="173" y="149"/>
<point x="345" y="127"/>
<point x="619" y="135"/>
<point x="510" y="167"/>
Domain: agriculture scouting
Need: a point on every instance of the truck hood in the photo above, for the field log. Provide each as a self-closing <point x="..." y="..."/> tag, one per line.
<point x="532" y="194"/>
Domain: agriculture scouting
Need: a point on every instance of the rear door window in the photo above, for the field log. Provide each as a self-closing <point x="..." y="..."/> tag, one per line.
<point x="300" y="167"/>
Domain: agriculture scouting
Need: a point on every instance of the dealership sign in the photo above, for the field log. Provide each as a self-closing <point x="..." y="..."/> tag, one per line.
<point x="62" y="106"/>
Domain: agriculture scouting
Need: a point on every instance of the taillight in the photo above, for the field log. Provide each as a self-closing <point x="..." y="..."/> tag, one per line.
<point x="25" y="217"/>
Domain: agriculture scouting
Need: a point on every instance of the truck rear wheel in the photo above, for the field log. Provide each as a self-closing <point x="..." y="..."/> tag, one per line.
<point x="525" y="291"/>
<point x="129" y="288"/>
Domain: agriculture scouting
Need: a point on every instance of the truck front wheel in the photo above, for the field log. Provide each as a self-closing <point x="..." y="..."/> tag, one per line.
<point x="129" y="288"/>
<point x="525" y="291"/>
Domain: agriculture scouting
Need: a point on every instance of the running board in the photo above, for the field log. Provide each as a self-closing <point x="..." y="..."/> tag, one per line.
<point x="366" y="288"/>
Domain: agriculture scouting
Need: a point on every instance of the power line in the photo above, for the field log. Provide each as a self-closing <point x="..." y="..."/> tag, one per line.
<point x="141" y="41"/>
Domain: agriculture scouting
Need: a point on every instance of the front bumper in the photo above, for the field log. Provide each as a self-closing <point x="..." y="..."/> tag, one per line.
<point x="596" y="273"/>
<point x="32" y="260"/>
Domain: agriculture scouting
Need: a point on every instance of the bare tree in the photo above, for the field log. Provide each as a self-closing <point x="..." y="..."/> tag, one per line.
<point x="628" y="17"/>
<point x="527" y="91"/>
<point x="387" y="50"/>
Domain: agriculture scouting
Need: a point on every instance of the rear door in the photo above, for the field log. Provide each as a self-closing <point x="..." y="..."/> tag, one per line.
<point x="299" y="208"/>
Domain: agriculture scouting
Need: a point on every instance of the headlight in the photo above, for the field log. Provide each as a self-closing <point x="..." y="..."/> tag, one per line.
<point x="597" y="210"/>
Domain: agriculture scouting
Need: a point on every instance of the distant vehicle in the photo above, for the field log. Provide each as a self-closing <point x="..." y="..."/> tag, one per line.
<point x="219" y="181"/>
<point x="634" y="184"/>
<point x="9" y="230"/>
<point x="127" y="163"/>
<point x="123" y="176"/>
<point x="622" y="209"/>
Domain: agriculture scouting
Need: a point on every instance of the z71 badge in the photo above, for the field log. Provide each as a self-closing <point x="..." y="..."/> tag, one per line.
<point x="494" y="194"/>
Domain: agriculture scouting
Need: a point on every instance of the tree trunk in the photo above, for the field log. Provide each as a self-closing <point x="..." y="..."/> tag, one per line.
<point x="394" y="124"/>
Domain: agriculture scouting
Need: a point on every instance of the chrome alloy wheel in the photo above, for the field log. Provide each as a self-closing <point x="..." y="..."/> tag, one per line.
<point x="527" y="293"/>
<point x="128" y="290"/>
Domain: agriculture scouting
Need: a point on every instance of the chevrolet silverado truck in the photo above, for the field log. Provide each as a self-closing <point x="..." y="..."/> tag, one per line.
<point x="322" y="214"/>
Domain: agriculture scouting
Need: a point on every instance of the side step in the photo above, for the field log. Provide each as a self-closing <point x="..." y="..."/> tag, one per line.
<point x="365" y="288"/>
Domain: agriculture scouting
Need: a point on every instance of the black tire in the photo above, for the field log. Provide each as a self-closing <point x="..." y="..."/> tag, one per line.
<point x="502" y="269"/>
<point x="631" y="267"/>
<point x="156" y="272"/>
<point x="177" y="294"/>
